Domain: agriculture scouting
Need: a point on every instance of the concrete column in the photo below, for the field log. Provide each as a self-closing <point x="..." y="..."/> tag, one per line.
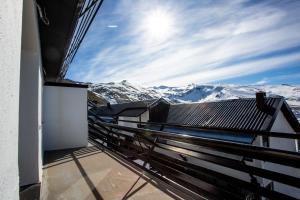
<point x="30" y="133"/>
<point x="10" y="43"/>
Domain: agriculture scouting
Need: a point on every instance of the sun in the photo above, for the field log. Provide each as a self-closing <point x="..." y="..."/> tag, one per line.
<point x="158" y="25"/>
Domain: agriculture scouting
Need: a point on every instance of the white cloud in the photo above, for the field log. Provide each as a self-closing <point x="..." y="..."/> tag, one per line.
<point x="209" y="42"/>
<point x="112" y="26"/>
<point x="262" y="81"/>
<point x="232" y="71"/>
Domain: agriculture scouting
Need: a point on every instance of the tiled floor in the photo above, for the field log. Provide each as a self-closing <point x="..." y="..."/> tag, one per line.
<point x="90" y="173"/>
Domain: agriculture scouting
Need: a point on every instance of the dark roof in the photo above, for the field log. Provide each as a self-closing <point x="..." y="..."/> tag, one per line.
<point x="237" y="114"/>
<point x="64" y="84"/>
<point x="132" y="112"/>
<point x="131" y="109"/>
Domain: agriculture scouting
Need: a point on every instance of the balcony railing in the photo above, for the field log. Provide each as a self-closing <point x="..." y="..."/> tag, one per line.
<point x="199" y="167"/>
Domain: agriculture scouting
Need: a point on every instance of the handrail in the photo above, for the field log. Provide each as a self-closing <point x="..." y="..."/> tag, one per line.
<point x="261" y="153"/>
<point x="221" y="130"/>
<point x="290" y="180"/>
<point x="230" y="163"/>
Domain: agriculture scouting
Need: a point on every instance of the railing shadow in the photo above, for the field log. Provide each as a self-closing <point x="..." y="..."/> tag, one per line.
<point x="130" y="193"/>
<point x="92" y="187"/>
<point x="58" y="157"/>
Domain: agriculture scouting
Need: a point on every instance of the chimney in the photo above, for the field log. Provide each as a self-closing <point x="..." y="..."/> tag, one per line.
<point x="108" y="105"/>
<point x="260" y="100"/>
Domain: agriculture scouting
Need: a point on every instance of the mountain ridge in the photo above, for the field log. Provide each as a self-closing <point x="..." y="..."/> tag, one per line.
<point x="124" y="91"/>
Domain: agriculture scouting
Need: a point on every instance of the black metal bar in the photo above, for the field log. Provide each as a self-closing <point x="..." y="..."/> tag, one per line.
<point x="220" y="130"/>
<point x="261" y="153"/>
<point x="196" y="171"/>
<point x="230" y="163"/>
<point x="80" y="34"/>
<point x="87" y="8"/>
<point x="166" y="183"/>
<point x="75" y="35"/>
<point x="234" y="164"/>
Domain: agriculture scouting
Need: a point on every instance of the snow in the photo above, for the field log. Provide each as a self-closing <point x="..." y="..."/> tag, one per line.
<point x="126" y="92"/>
<point x="123" y="92"/>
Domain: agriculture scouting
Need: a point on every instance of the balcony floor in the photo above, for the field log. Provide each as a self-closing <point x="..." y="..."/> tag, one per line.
<point x="90" y="173"/>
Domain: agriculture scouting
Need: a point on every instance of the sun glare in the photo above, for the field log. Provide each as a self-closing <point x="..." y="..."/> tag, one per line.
<point x="158" y="25"/>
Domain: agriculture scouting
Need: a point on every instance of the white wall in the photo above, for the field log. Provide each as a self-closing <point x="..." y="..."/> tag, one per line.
<point x="144" y="118"/>
<point x="128" y="124"/>
<point x="65" y="117"/>
<point x="10" y="43"/>
<point x="30" y="124"/>
<point x="282" y="125"/>
<point x="133" y="125"/>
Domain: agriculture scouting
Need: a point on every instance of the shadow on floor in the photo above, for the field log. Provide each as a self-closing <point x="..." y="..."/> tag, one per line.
<point x="60" y="155"/>
<point x="130" y="193"/>
<point x="61" y="166"/>
<point x="158" y="184"/>
<point x="57" y="157"/>
<point x="93" y="188"/>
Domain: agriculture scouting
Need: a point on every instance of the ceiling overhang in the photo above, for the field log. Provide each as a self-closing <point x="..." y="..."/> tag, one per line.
<point x="55" y="36"/>
<point x="61" y="32"/>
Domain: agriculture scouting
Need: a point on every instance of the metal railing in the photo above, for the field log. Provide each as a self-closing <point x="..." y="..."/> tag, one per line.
<point x="88" y="12"/>
<point x="201" y="167"/>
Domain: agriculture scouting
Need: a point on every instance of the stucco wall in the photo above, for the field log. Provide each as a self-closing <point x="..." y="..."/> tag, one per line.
<point x="65" y="117"/>
<point x="10" y="43"/>
<point x="30" y="124"/>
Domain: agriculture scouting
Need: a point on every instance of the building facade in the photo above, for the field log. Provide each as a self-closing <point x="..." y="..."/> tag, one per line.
<point x="31" y="110"/>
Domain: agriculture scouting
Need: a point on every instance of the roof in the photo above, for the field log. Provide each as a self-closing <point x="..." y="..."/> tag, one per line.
<point x="131" y="109"/>
<point x="132" y="112"/>
<point x="236" y="114"/>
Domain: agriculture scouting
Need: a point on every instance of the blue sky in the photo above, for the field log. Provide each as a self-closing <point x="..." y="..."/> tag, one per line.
<point x="178" y="42"/>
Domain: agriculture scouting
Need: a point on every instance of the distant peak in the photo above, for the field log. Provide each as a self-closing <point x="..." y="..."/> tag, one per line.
<point x="285" y="84"/>
<point x="124" y="82"/>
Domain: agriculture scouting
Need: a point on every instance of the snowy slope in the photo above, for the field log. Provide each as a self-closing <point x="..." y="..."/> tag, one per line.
<point x="126" y="92"/>
<point x="123" y="92"/>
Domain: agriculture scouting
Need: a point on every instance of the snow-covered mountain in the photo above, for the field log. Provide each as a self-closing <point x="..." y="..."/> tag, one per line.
<point x="125" y="92"/>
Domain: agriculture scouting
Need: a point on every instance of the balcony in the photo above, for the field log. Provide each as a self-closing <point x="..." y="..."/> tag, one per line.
<point x="94" y="173"/>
